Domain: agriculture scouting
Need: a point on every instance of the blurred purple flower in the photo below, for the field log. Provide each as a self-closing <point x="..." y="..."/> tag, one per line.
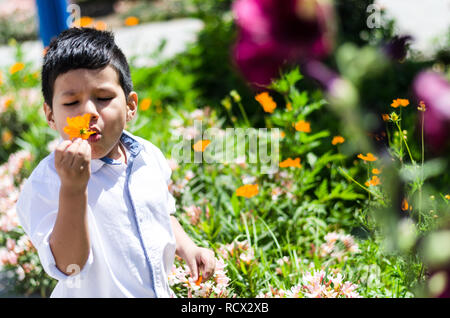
<point x="272" y="32"/>
<point x="434" y="90"/>
<point x="397" y="47"/>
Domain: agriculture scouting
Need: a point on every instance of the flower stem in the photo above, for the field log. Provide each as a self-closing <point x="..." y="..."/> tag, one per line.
<point x="406" y="144"/>
<point x="244" y="114"/>
<point x="360" y="185"/>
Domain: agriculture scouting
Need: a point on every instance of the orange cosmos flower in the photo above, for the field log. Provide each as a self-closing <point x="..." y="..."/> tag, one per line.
<point x="369" y="157"/>
<point x="201" y="145"/>
<point x="16" y="68"/>
<point x="78" y="127"/>
<point x="373" y="182"/>
<point x="303" y="126"/>
<point x="376" y="171"/>
<point x="400" y="102"/>
<point x="247" y="191"/>
<point x="7" y="136"/>
<point x="385" y="117"/>
<point x="422" y="106"/>
<point x="145" y="104"/>
<point x="130" y="21"/>
<point x="100" y="25"/>
<point x="289" y="106"/>
<point x="447" y="196"/>
<point x="405" y="205"/>
<point x="294" y="163"/>
<point x="337" y="140"/>
<point x="83" y="22"/>
<point x="266" y="102"/>
<point x="199" y="280"/>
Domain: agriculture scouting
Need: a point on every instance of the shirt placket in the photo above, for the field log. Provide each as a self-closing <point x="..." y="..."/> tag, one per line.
<point x="149" y="252"/>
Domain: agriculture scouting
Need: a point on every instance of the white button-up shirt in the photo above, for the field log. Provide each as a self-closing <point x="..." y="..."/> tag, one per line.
<point x="132" y="243"/>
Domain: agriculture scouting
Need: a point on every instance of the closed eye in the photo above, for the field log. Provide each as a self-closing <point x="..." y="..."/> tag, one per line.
<point x="104" y="99"/>
<point x="70" y="104"/>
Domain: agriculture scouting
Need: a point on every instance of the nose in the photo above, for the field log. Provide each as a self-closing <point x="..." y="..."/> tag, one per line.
<point x="91" y="109"/>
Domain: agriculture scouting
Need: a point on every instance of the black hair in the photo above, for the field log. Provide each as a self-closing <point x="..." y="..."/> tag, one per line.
<point x="87" y="48"/>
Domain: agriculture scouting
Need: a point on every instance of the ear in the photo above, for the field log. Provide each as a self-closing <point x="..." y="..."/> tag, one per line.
<point x="49" y="116"/>
<point x="132" y="104"/>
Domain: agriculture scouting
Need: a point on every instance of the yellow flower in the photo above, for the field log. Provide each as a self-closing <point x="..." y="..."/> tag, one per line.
<point x="201" y="145"/>
<point x="369" y="157"/>
<point x="303" y="126"/>
<point x="16" y="68"/>
<point x="130" y="21"/>
<point x="247" y="191"/>
<point x="294" y="163"/>
<point x="447" y="196"/>
<point x="145" y="104"/>
<point x="400" y="102"/>
<point x="78" y="127"/>
<point x="266" y="102"/>
<point x="337" y="140"/>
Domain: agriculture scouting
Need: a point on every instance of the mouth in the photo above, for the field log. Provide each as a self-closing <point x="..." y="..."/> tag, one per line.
<point x="95" y="136"/>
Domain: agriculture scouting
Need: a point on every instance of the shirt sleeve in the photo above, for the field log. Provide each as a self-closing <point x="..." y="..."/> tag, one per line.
<point x="37" y="209"/>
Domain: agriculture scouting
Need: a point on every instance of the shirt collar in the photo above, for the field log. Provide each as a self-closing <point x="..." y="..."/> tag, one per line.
<point x="127" y="140"/>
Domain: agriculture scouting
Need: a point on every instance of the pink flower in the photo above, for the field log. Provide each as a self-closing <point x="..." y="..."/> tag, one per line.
<point x="272" y="32"/>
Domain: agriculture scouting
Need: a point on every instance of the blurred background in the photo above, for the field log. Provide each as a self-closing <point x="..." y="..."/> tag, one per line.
<point x="359" y="90"/>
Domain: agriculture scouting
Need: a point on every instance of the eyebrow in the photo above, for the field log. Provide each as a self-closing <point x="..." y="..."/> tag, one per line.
<point x="100" y="89"/>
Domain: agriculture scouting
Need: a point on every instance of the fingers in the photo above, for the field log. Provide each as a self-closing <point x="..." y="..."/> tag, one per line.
<point x="60" y="149"/>
<point x="194" y="270"/>
<point x="82" y="156"/>
<point x="208" y="264"/>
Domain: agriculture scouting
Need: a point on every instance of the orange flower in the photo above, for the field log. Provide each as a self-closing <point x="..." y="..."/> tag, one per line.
<point x="16" y="68"/>
<point x="247" y="191"/>
<point x="294" y="163"/>
<point x="199" y="280"/>
<point x="100" y="25"/>
<point x="373" y="182"/>
<point x="337" y="140"/>
<point x="1" y="79"/>
<point x="78" y="127"/>
<point x="289" y="106"/>
<point x="385" y="117"/>
<point x="7" y="136"/>
<point x="145" y="104"/>
<point x="422" y="106"/>
<point x="400" y="102"/>
<point x="266" y="102"/>
<point x="405" y="205"/>
<point x="130" y="21"/>
<point x="83" y="22"/>
<point x="447" y="196"/>
<point x="303" y="126"/>
<point x="376" y="171"/>
<point x="282" y="134"/>
<point x="201" y="145"/>
<point x="369" y="157"/>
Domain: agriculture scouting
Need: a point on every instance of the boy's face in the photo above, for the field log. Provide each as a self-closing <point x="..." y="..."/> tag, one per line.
<point x="98" y="93"/>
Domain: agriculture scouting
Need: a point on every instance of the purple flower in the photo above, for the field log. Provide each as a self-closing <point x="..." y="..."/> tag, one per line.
<point x="272" y="32"/>
<point x="434" y="90"/>
<point x="397" y="48"/>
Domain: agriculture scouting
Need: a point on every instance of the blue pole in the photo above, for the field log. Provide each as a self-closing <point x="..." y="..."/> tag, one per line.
<point x="53" y="17"/>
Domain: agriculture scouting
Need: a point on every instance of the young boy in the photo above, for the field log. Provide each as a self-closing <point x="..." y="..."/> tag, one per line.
<point x="98" y="211"/>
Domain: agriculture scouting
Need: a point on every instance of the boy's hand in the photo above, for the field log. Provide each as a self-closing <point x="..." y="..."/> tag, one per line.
<point x="72" y="163"/>
<point x="201" y="261"/>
